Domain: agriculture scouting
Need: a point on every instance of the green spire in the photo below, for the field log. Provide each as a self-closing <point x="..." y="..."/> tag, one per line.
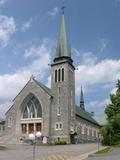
<point x="63" y="50"/>
<point x="82" y="100"/>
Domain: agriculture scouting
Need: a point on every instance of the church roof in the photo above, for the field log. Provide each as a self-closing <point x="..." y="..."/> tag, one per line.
<point x="45" y="88"/>
<point x="63" y="49"/>
<point x="85" y="115"/>
<point x="101" y="119"/>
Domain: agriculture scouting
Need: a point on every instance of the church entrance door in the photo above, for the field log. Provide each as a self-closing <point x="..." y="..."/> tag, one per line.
<point x="31" y="128"/>
<point x="73" y="138"/>
<point x="38" y="127"/>
<point x="24" y="128"/>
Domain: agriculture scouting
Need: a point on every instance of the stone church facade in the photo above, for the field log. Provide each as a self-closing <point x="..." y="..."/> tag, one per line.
<point x="52" y="111"/>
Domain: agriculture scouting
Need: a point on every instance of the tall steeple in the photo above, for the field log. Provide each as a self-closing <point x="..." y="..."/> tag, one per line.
<point x="63" y="88"/>
<point x="63" y="49"/>
<point x="82" y="100"/>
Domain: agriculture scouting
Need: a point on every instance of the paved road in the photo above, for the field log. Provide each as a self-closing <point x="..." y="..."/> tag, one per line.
<point x="24" y="152"/>
<point x="113" y="155"/>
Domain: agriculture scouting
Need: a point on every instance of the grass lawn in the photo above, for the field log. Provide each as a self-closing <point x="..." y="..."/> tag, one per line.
<point x="106" y="150"/>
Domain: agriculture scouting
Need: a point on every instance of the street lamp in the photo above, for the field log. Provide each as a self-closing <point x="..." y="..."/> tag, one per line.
<point x="98" y="141"/>
<point x="33" y="138"/>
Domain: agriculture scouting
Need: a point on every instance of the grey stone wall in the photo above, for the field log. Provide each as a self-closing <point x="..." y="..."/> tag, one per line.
<point x="65" y="99"/>
<point x="86" y="131"/>
<point x="13" y="116"/>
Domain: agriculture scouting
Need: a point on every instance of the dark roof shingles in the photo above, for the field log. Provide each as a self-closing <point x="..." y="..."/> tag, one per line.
<point x="85" y="115"/>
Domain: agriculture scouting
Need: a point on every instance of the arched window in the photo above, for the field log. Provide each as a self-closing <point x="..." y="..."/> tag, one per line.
<point x="32" y="111"/>
<point x="55" y="75"/>
<point x="38" y="111"/>
<point x="58" y="110"/>
<point x="32" y="108"/>
<point x="62" y="74"/>
<point x="59" y="75"/>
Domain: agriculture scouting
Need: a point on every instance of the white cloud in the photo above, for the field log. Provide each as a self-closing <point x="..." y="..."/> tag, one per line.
<point x="113" y="91"/>
<point x="37" y="51"/>
<point x="11" y="84"/>
<point x="7" y="28"/>
<point x="49" y="81"/>
<point x="2" y="2"/>
<point x="53" y="12"/>
<point x="89" y="59"/>
<point x="97" y="106"/>
<point x="98" y="103"/>
<point x="95" y="73"/>
<point x="27" y="24"/>
<point x="4" y="107"/>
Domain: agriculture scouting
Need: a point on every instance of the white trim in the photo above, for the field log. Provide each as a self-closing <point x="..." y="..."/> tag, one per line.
<point x="34" y="120"/>
<point x="58" y="111"/>
<point x="60" y="126"/>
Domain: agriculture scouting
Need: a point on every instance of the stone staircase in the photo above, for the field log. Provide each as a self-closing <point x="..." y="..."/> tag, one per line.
<point x="9" y="139"/>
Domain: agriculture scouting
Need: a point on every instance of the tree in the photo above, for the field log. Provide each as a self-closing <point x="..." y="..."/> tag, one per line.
<point x="114" y="107"/>
<point x="111" y="132"/>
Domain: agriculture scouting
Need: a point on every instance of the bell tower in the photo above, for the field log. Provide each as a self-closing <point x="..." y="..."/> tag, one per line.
<point x="63" y="89"/>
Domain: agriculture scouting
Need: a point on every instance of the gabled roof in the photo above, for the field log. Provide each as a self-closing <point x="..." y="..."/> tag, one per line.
<point x="45" y="88"/>
<point x="85" y="115"/>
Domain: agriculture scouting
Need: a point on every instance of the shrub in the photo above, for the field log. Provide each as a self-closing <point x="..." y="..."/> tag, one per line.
<point x="60" y="142"/>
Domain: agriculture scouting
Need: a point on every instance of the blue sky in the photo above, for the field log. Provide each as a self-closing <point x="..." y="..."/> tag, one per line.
<point x="28" y="36"/>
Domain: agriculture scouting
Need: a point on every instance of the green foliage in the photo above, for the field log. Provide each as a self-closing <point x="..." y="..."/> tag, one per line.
<point x="106" y="132"/>
<point x="60" y="142"/>
<point x="111" y="132"/>
<point x="114" y="107"/>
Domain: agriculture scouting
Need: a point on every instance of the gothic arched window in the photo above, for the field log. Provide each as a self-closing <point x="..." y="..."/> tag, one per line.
<point x="55" y="75"/>
<point x="32" y="108"/>
<point x="32" y="111"/>
<point x="59" y="75"/>
<point x="25" y="113"/>
<point x="62" y="74"/>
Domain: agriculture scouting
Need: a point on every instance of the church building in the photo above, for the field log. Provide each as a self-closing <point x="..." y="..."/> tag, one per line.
<point x="53" y="111"/>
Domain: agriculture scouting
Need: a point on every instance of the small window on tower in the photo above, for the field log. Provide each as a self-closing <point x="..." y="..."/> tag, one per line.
<point x="55" y="75"/>
<point x="59" y="75"/>
<point x="62" y="74"/>
<point x="56" y="126"/>
<point x="58" y="110"/>
<point x="60" y="126"/>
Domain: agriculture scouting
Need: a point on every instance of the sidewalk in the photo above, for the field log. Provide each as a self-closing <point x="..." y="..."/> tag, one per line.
<point x="85" y="155"/>
<point x="112" y="155"/>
